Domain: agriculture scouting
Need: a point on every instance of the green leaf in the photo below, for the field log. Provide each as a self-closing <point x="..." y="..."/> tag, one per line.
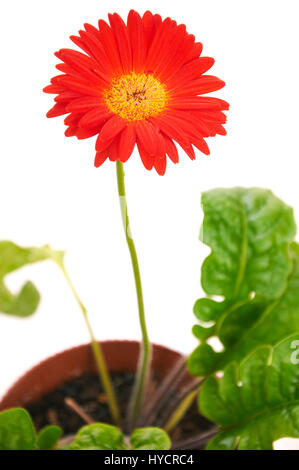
<point x="48" y="437"/>
<point x="101" y="436"/>
<point x="253" y="324"/>
<point x="13" y="257"/>
<point x="150" y="439"/>
<point x="16" y="430"/>
<point x="251" y="267"/>
<point x="256" y="402"/>
<point x="248" y="231"/>
<point x="98" y="436"/>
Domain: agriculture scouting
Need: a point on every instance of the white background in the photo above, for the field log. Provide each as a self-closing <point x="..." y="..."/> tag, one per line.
<point x="51" y="193"/>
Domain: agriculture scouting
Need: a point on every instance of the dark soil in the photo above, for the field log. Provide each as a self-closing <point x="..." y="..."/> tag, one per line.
<point x="88" y="394"/>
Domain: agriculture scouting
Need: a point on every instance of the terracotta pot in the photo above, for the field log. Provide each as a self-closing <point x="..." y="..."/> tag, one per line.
<point x="50" y="374"/>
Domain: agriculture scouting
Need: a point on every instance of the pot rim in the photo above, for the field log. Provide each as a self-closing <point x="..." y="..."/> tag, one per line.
<point x="53" y="371"/>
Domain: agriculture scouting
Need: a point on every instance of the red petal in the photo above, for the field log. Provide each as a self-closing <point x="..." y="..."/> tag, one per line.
<point x="171" y="126"/>
<point x="194" y="52"/>
<point x="161" y="147"/>
<point x="66" y="97"/>
<point x="73" y="119"/>
<point x="78" y="85"/>
<point x="113" y="150"/>
<point x="94" y="117"/>
<point x="81" y="64"/>
<point x="147" y="160"/>
<point x="109" y="131"/>
<point x="57" y="110"/>
<point x="160" y="165"/>
<point x="127" y="143"/>
<point x="196" y="103"/>
<point x="71" y="56"/>
<point x="70" y="131"/>
<point x="110" y="47"/>
<point x="204" y="84"/>
<point x="147" y="135"/>
<point x="86" y="133"/>
<point x="201" y="144"/>
<point x="189" y="150"/>
<point x="171" y="149"/>
<point x="219" y="129"/>
<point x="177" y="55"/>
<point x="213" y="116"/>
<point x="97" y="51"/>
<point x="137" y="39"/>
<point x="186" y="122"/>
<point x="190" y="71"/>
<point x="215" y="128"/>
<point x="172" y="51"/>
<point x="53" y="89"/>
<point x="151" y="24"/>
<point x="64" y="68"/>
<point x="81" y="43"/>
<point x="83" y="104"/>
<point x="100" y="158"/>
<point x="157" y="47"/>
<point x="170" y="129"/>
<point x="122" y="38"/>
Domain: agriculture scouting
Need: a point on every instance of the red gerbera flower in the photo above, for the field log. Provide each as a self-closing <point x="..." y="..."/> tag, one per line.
<point x="138" y="84"/>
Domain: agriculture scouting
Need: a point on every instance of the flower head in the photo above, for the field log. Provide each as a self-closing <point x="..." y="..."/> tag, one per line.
<point x="138" y="83"/>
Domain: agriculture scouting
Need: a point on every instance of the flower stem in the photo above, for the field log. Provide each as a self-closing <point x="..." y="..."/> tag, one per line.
<point x="97" y="352"/>
<point x="145" y="354"/>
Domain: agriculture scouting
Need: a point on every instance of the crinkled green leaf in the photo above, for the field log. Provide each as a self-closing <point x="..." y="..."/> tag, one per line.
<point x="256" y="402"/>
<point x="203" y="333"/>
<point x="249" y="231"/>
<point x="150" y="439"/>
<point x="251" y="325"/>
<point x="48" y="437"/>
<point x="98" y="436"/>
<point x="16" y="430"/>
<point x="13" y="257"/>
<point x="223" y="441"/>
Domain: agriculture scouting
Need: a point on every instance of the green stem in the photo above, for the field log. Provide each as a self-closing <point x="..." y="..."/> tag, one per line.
<point x="97" y="351"/>
<point x="185" y="400"/>
<point x="145" y="353"/>
<point x="180" y="411"/>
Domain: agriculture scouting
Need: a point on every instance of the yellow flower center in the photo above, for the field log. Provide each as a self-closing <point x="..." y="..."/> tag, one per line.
<point x="136" y="96"/>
